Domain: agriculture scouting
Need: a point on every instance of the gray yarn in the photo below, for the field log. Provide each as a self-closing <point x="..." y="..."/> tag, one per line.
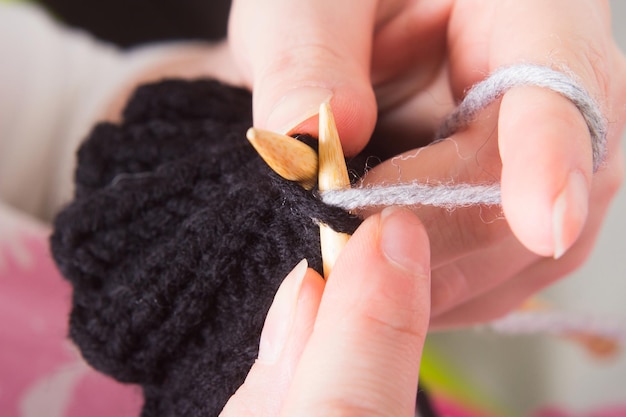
<point x="558" y="323"/>
<point x="503" y="79"/>
<point x="477" y="98"/>
<point x="448" y="196"/>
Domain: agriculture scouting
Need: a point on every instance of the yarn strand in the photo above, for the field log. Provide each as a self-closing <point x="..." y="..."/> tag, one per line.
<point x="411" y="194"/>
<point x="559" y="323"/>
<point x="503" y="79"/>
<point x="477" y="98"/>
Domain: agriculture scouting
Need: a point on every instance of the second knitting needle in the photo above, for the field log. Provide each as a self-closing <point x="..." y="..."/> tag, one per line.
<point x="295" y="161"/>
<point x="332" y="175"/>
<point x="288" y="157"/>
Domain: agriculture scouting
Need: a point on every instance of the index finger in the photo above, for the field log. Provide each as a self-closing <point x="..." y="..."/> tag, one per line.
<point x="299" y="54"/>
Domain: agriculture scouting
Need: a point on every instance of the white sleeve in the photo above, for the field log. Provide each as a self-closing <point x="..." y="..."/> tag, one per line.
<point x="54" y="84"/>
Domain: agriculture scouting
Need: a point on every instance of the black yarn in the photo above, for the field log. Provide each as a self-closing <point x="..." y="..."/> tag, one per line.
<point x="176" y="242"/>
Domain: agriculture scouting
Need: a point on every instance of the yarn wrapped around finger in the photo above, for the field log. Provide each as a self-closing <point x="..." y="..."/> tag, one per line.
<point x="503" y="79"/>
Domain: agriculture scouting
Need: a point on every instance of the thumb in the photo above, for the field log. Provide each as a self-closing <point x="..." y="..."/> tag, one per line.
<point x="287" y="328"/>
<point x="364" y="353"/>
<point x="298" y="54"/>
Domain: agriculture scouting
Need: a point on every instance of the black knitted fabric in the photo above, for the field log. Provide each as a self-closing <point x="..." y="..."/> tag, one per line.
<point x="176" y="242"/>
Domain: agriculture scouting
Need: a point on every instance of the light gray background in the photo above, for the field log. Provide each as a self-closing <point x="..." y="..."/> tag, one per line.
<point x="526" y="372"/>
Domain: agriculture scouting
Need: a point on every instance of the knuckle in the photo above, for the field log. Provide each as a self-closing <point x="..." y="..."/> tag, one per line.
<point x="307" y="56"/>
<point x="401" y="324"/>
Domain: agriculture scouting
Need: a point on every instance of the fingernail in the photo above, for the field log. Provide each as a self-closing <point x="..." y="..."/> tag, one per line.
<point x="569" y="212"/>
<point x="280" y="316"/>
<point x="403" y="241"/>
<point x="295" y="107"/>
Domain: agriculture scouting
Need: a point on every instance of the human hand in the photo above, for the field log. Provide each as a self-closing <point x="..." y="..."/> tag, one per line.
<point x="353" y="347"/>
<point x="297" y="54"/>
<point x="534" y="142"/>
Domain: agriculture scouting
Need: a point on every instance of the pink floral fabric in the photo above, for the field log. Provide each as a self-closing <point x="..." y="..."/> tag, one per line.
<point x="41" y="372"/>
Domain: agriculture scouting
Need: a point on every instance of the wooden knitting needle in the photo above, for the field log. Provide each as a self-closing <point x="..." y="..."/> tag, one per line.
<point x="332" y="175"/>
<point x="295" y="161"/>
<point x="288" y="157"/>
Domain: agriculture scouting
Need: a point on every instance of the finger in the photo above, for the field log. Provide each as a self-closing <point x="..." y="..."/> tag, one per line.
<point x="486" y="35"/>
<point x="477" y="273"/>
<point x="297" y="55"/>
<point x="408" y="51"/>
<point x="546" y="205"/>
<point x="287" y="328"/>
<point x="511" y="293"/>
<point x="468" y="157"/>
<point x="414" y="122"/>
<point x="363" y="356"/>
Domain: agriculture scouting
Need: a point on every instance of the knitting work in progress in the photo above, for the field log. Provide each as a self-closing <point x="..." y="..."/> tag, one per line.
<point x="476" y="99"/>
<point x="176" y="242"/>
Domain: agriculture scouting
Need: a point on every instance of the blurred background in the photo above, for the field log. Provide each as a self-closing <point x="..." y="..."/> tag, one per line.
<point x="139" y="21"/>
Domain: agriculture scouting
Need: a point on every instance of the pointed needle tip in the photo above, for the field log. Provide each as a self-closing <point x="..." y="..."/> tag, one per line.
<point x="288" y="157"/>
<point x="332" y="175"/>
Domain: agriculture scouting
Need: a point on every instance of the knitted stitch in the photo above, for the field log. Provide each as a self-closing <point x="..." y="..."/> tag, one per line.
<point x="176" y="242"/>
<point x="179" y="236"/>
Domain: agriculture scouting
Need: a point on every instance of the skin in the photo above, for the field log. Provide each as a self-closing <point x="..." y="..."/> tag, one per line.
<point x="391" y="60"/>
<point x="401" y="65"/>
<point x="329" y="350"/>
